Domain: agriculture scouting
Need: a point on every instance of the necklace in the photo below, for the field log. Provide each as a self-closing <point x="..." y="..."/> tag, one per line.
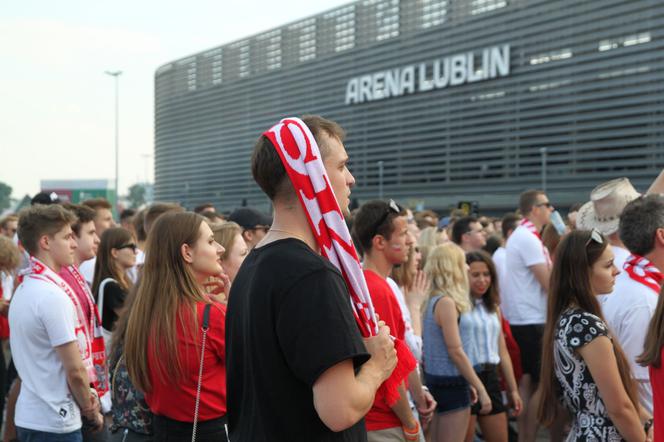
<point x="272" y="229"/>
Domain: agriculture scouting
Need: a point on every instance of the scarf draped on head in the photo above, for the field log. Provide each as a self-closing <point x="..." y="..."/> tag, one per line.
<point x="301" y="158"/>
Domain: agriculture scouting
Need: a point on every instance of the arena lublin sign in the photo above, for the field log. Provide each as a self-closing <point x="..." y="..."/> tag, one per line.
<point x="455" y="70"/>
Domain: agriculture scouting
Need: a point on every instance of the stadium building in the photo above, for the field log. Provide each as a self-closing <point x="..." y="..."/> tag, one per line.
<point x="443" y="101"/>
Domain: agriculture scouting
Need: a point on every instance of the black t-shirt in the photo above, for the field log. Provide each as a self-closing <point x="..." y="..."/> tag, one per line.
<point x="289" y="319"/>
<point x="114" y="298"/>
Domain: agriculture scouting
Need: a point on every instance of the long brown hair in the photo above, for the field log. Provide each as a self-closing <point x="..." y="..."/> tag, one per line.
<point x="490" y="299"/>
<point x="570" y="287"/>
<point x="105" y="266"/>
<point x="652" y="347"/>
<point x="166" y="285"/>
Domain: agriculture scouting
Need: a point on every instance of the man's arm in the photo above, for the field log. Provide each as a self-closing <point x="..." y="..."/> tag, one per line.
<point x="79" y="384"/>
<point x="542" y="274"/>
<point x="341" y="397"/>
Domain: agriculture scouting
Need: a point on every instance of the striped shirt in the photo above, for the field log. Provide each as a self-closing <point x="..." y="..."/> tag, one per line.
<point x="483" y="327"/>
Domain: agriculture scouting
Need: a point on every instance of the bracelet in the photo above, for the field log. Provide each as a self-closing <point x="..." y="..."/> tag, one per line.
<point x="647" y="425"/>
<point x="412" y="434"/>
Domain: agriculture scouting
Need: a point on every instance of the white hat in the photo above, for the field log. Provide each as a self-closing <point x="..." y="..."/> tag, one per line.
<point x="607" y="202"/>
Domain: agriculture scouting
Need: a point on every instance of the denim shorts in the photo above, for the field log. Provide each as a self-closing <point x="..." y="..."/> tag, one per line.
<point x="451" y="392"/>
<point x="26" y="435"/>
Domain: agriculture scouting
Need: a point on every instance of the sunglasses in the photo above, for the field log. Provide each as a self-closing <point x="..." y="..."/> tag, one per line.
<point x="259" y="227"/>
<point x="595" y="236"/>
<point x="392" y="207"/>
<point x="547" y="204"/>
<point x="130" y="245"/>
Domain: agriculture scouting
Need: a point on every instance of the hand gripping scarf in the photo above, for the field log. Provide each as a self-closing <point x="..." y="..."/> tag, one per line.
<point x="301" y="158"/>
<point x="532" y="229"/>
<point x="643" y="271"/>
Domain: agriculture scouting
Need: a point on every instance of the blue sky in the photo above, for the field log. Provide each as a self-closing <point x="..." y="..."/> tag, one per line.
<point x="56" y="103"/>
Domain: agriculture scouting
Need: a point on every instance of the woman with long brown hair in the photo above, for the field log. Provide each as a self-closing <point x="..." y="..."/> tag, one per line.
<point x="488" y="352"/>
<point x="167" y="338"/>
<point x="581" y="364"/>
<point x="653" y="349"/>
<point x="116" y="255"/>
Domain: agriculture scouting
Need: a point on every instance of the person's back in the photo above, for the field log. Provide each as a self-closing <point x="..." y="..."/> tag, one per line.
<point x="288" y="321"/>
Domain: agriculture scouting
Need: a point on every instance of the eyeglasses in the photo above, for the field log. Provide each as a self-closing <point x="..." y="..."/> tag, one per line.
<point x="392" y="207"/>
<point x="130" y="245"/>
<point x="596" y="236"/>
<point x="547" y="204"/>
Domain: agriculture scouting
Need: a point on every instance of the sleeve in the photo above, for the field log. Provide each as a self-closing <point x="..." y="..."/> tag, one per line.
<point x="58" y="317"/>
<point x="532" y="251"/>
<point x="316" y="328"/>
<point x="114" y="296"/>
<point x="583" y="329"/>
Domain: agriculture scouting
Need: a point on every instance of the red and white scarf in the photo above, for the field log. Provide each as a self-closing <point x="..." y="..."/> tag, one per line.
<point x="643" y="271"/>
<point x="301" y="158"/>
<point x="99" y="374"/>
<point x="532" y="229"/>
<point x="86" y="348"/>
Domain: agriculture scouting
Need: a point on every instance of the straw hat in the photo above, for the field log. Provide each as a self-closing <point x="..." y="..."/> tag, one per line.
<point x="607" y="202"/>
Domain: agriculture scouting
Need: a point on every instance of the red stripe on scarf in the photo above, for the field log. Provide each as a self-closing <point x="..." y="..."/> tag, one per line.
<point x="643" y="271"/>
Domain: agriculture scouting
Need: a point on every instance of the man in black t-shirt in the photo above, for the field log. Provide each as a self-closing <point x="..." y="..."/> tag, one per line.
<point x="297" y="366"/>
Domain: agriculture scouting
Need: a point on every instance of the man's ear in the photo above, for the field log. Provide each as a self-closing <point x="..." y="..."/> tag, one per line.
<point x="248" y="235"/>
<point x="659" y="237"/>
<point x="187" y="253"/>
<point x="378" y="243"/>
<point x="44" y="242"/>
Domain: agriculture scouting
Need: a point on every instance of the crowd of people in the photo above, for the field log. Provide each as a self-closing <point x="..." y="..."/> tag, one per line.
<point x="321" y="323"/>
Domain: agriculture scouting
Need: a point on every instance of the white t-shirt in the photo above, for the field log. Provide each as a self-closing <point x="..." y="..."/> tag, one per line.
<point x="628" y="311"/>
<point x="7" y="281"/>
<point x="620" y="255"/>
<point x="499" y="259"/>
<point x="413" y="341"/>
<point x="523" y="299"/>
<point x="87" y="270"/>
<point x="41" y="317"/>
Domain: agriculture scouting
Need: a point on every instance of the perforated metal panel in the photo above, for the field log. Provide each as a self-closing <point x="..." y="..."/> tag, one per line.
<point x="585" y="83"/>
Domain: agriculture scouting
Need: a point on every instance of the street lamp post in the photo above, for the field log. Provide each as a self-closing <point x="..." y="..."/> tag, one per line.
<point x="380" y="179"/>
<point x="116" y="76"/>
<point x="543" y="152"/>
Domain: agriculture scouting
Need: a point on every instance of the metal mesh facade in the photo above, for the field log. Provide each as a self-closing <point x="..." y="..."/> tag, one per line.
<point x="585" y="83"/>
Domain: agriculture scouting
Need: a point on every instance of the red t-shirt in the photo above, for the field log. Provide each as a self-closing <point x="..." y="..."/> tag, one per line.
<point x="177" y="399"/>
<point x="381" y="416"/>
<point x="657" y="384"/>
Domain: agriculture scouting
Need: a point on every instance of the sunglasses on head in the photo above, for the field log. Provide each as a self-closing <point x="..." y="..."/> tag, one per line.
<point x="392" y="207"/>
<point x="596" y="236"/>
<point x="130" y="245"/>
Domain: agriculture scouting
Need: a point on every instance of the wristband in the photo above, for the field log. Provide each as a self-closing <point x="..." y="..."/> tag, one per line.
<point x="412" y="434"/>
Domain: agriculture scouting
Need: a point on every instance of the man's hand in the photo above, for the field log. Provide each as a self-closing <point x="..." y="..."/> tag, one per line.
<point x="381" y="349"/>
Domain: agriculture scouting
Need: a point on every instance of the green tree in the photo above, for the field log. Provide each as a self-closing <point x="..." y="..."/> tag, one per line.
<point x="137" y="195"/>
<point x="5" y="194"/>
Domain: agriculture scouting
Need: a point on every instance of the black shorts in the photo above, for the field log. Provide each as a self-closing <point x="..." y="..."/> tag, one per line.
<point x="529" y="339"/>
<point x="488" y="374"/>
<point x="452" y="393"/>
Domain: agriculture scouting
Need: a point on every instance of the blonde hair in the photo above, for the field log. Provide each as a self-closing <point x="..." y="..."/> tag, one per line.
<point x="426" y="242"/>
<point x="446" y="269"/>
<point x="10" y="256"/>
<point x="224" y="234"/>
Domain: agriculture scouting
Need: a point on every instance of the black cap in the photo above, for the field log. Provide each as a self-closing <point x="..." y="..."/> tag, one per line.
<point x="45" y="198"/>
<point x="249" y="218"/>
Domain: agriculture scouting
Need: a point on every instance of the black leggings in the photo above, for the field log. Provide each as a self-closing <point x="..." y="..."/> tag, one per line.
<point x="169" y="430"/>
